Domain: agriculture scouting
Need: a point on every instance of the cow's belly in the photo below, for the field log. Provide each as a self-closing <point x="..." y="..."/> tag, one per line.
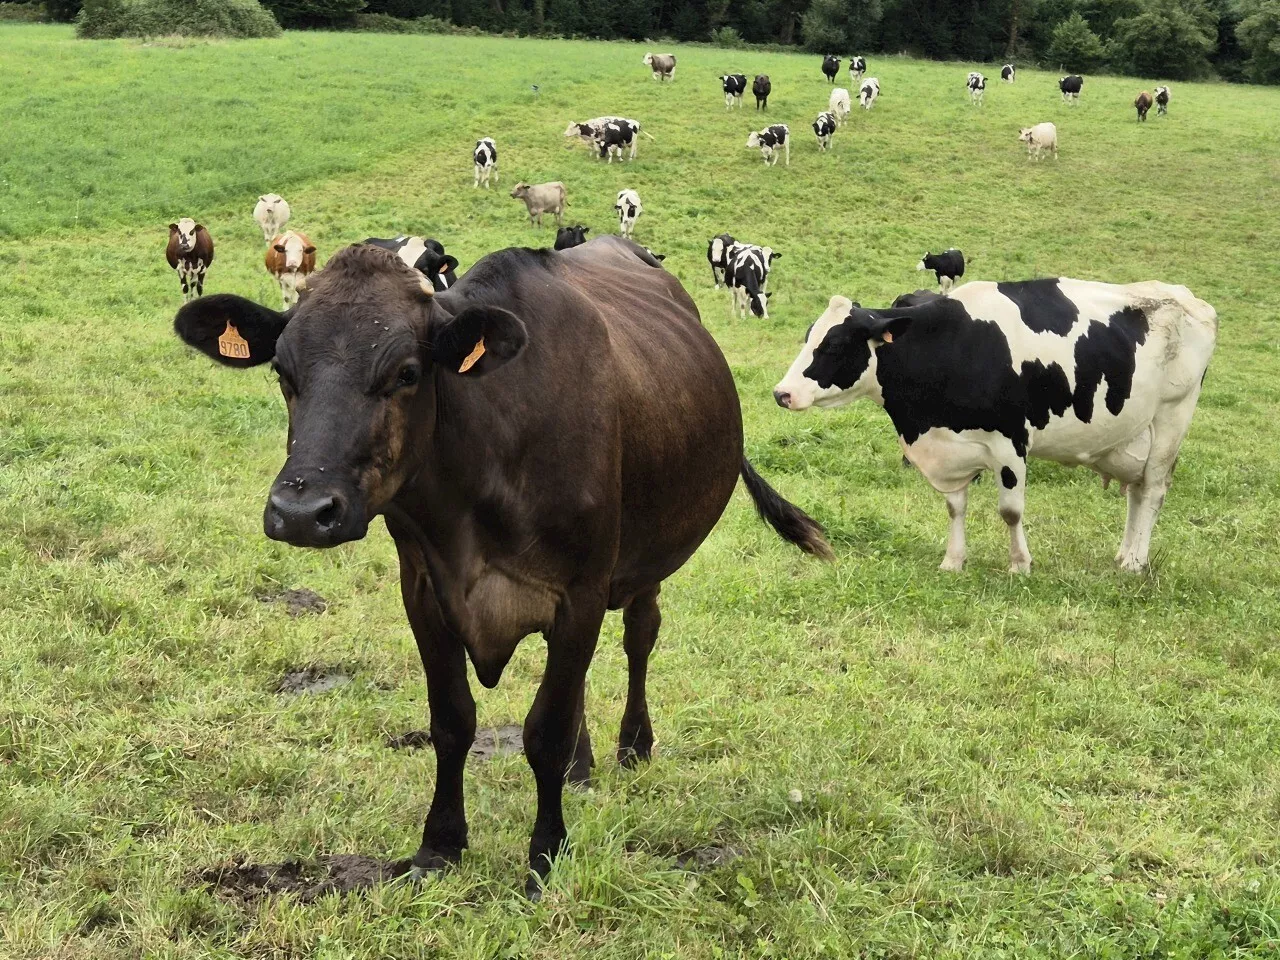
<point x="949" y="459"/>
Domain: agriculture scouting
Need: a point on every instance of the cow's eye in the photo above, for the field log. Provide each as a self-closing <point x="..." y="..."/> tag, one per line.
<point x="409" y="376"/>
<point x="286" y="385"/>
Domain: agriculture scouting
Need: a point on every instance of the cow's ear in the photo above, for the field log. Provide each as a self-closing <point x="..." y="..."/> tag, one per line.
<point x="886" y="329"/>
<point x="232" y="330"/>
<point x="199" y="227"/>
<point x="172" y="227"/>
<point x="450" y="263"/>
<point x="478" y="340"/>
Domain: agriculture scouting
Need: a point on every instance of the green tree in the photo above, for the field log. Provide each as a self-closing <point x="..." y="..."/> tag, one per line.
<point x="1074" y="45"/>
<point x="1259" y="35"/>
<point x="1167" y="38"/>
<point x="64" y="10"/>
<point x="314" y="13"/>
<point x="839" y="26"/>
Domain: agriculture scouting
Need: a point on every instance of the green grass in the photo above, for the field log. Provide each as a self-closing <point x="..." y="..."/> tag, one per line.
<point x="1078" y="763"/>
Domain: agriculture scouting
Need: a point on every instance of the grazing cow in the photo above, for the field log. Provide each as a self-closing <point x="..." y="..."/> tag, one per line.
<point x="628" y="209"/>
<point x="869" y="93"/>
<point x="567" y="237"/>
<point x="1041" y="137"/>
<point x="838" y="105"/>
<point x="720" y="255"/>
<point x="857" y="67"/>
<point x="830" y="67"/>
<point x="735" y="85"/>
<point x="190" y="251"/>
<point x="291" y="258"/>
<point x="615" y="138"/>
<point x="1008" y="73"/>
<point x="823" y="128"/>
<point x="425" y="255"/>
<point x="1066" y="370"/>
<point x="1142" y="103"/>
<point x="486" y="159"/>
<point x="747" y="276"/>
<point x="542" y="198"/>
<point x="592" y="131"/>
<point x="770" y="140"/>
<point x="534" y="468"/>
<point x="761" y="87"/>
<point x="1070" y="87"/>
<point x="1162" y="101"/>
<point x="663" y="65"/>
<point x="272" y="213"/>
<point x="977" y="85"/>
<point x="947" y="267"/>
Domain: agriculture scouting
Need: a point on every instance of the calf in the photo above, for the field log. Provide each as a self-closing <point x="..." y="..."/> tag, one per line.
<point x="485" y="156"/>
<point x="663" y="65"/>
<point x="628" y="209"/>
<point x="823" y="128"/>
<point x="747" y="277"/>
<point x="1072" y="371"/>
<point x="1162" y="101"/>
<point x="857" y="67"/>
<point x="535" y="469"/>
<point x="761" y="87"/>
<point x="869" y="93"/>
<point x="770" y="140"/>
<point x="1008" y="73"/>
<point x="838" y="105"/>
<point x="977" y="86"/>
<point x="735" y="84"/>
<point x="541" y="198"/>
<point x="190" y="251"/>
<point x="830" y="67"/>
<point x="272" y="213"/>
<point x="567" y="237"/>
<point x="1142" y="103"/>
<point x="615" y="138"/>
<point x="720" y="255"/>
<point x="1041" y="137"/>
<point x="425" y="255"/>
<point x="947" y="267"/>
<point x="1070" y="87"/>
<point x="291" y="258"/>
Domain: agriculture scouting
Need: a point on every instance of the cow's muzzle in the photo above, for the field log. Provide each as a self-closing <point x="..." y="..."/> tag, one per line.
<point x="305" y="512"/>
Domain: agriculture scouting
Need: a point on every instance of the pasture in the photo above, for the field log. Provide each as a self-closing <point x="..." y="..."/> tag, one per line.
<point x="871" y="759"/>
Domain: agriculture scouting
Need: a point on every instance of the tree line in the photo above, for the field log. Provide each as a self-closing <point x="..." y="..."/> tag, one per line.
<point x="1238" y="40"/>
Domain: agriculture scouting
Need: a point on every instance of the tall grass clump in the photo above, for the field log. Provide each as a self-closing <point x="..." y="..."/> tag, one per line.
<point x="105" y="19"/>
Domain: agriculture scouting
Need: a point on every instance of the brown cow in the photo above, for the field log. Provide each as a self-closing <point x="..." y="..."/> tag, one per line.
<point x="190" y="251"/>
<point x="291" y="258"/>
<point x="535" y="469"/>
<point x="1143" y="104"/>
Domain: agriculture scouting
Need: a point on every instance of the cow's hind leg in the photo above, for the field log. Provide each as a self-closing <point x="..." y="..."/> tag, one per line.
<point x="957" y="502"/>
<point x="1146" y="497"/>
<point x="640" y="623"/>
<point x="1013" y="483"/>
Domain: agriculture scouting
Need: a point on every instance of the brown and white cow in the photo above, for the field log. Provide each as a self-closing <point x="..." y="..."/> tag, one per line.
<point x="663" y="65"/>
<point x="535" y="469"/>
<point x="291" y="258"/>
<point x="190" y="251"/>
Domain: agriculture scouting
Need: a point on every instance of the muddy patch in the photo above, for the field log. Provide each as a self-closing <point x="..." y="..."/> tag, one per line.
<point x="313" y="679"/>
<point x="298" y="602"/>
<point x="341" y="874"/>
<point x="410" y="740"/>
<point x="707" y="858"/>
<point x="496" y="741"/>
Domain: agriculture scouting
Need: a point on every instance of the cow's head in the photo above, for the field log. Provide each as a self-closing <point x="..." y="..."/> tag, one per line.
<point x="837" y="364"/>
<point x="185" y="231"/>
<point x="567" y="237"/>
<point x="437" y="265"/>
<point x="360" y="361"/>
<point x="754" y="141"/>
<point x="520" y="191"/>
<point x="1025" y="134"/>
<point x="291" y="249"/>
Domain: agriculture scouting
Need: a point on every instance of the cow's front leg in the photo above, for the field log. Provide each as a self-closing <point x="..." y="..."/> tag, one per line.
<point x="550" y="735"/>
<point x="1013" y="482"/>
<point x="957" y="503"/>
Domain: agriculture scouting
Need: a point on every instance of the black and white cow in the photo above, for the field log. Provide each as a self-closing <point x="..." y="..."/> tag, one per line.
<point x="628" y="208"/>
<point x="574" y="236"/>
<point x="1162" y="101"/>
<point x="425" y="255"/>
<point x="830" y="68"/>
<point x="1073" y="371"/>
<point x="486" y="160"/>
<point x="869" y="93"/>
<point x="770" y="140"/>
<point x="762" y="87"/>
<point x="615" y="138"/>
<point x="823" y="128"/>
<point x="1070" y="87"/>
<point x="857" y="67"/>
<point x="735" y="85"/>
<point x="719" y="255"/>
<point x="977" y="86"/>
<point x="591" y="131"/>
<point x="1008" y="73"/>
<point x="747" y="277"/>
<point x="947" y="267"/>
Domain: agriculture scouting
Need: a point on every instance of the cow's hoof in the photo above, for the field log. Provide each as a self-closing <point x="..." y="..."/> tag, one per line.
<point x="430" y="860"/>
<point x="533" y="887"/>
<point x="951" y="565"/>
<point x="1132" y="564"/>
<point x="1020" y="566"/>
<point x="631" y="757"/>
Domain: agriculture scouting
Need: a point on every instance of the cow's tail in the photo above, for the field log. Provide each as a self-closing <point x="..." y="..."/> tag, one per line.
<point x="791" y="523"/>
<point x="646" y="133"/>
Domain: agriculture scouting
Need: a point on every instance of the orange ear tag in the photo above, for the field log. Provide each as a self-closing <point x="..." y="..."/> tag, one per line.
<point x="888" y="337"/>
<point x="473" y="357"/>
<point x="231" y="344"/>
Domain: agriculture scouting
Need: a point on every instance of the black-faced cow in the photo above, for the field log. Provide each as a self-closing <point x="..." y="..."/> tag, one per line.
<point x="591" y="132"/>
<point x="485" y="156"/>
<point x="1070" y="87"/>
<point x="663" y="65"/>
<point x="1008" y="73"/>
<point x="719" y="255"/>
<point x="947" y="267"/>
<point x="761" y="87"/>
<point x="748" y="279"/>
<point x="830" y="68"/>
<point x="976" y="84"/>
<point x="615" y="138"/>
<point x="189" y="251"/>
<point x="425" y="255"/>
<point x="869" y="93"/>
<point x="534" y="468"/>
<point x="823" y="128"/>
<point x="857" y="67"/>
<point x="1142" y="103"/>
<point x="1072" y="371"/>
<point x="735" y="85"/>
<point x="574" y="236"/>
<point x="1162" y="101"/>
<point x="770" y="141"/>
<point x="628" y="208"/>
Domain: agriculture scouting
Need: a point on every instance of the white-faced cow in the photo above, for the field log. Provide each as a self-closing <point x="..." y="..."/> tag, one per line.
<point x="628" y="209"/>
<point x="542" y="198"/>
<point x="839" y="105"/>
<point x="947" y="267"/>
<point x="291" y="258"/>
<point x="748" y="279"/>
<point x="425" y="255"/>
<point x="1073" y="371"/>
<point x="823" y="128"/>
<point x="869" y="93"/>
<point x="1162" y="101"/>
<point x="1041" y="137"/>
<point x="485" y="156"/>
<point x="762" y="87"/>
<point x="1008" y="73"/>
<point x="976" y="84"/>
<point x="663" y="65"/>
<point x="535" y="469"/>
<point x="830" y="68"/>
<point x="272" y="213"/>
<point x="720" y="255"/>
<point x="770" y="141"/>
<point x="190" y="251"/>
<point x="1070" y="87"/>
<point x="857" y="67"/>
<point x="567" y="237"/>
<point x="735" y="85"/>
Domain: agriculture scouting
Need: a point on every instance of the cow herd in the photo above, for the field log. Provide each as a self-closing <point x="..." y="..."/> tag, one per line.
<point x="554" y="433"/>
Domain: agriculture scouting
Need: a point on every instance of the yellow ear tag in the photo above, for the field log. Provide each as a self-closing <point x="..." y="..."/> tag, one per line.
<point x="888" y="337"/>
<point x="473" y="357"/>
<point x="231" y="344"/>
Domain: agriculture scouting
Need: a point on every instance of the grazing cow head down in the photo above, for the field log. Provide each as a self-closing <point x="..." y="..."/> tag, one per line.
<point x="357" y="359"/>
<point x="185" y="230"/>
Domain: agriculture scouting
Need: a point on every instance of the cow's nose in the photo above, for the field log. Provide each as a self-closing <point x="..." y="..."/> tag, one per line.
<point x="307" y="520"/>
<point x="782" y="398"/>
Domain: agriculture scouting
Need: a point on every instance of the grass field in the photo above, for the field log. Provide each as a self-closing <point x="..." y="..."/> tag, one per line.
<point x="1074" y="764"/>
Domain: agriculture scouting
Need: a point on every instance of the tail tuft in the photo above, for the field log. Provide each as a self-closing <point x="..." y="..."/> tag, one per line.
<point x="791" y="523"/>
